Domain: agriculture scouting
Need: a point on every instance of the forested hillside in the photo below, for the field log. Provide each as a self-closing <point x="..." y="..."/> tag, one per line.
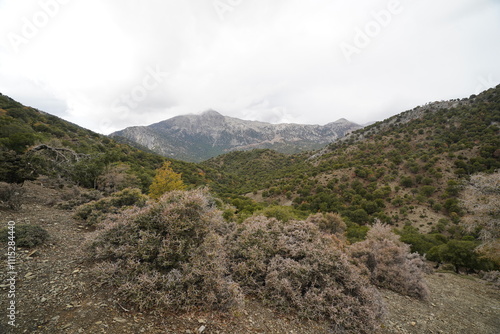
<point x="34" y="143"/>
<point x="320" y="235"/>
<point x="408" y="171"/>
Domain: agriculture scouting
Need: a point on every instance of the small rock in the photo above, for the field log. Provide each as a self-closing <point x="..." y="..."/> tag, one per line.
<point x="117" y="319"/>
<point x="413" y="323"/>
<point x="201" y="329"/>
<point x="43" y="300"/>
<point x="202" y="321"/>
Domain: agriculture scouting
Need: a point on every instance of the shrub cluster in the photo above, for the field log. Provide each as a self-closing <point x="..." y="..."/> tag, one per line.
<point x="95" y="212"/>
<point x="388" y="262"/>
<point x="179" y="253"/>
<point x="167" y="254"/>
<point x="26" y="235"/>
<point x="329" y="222"/>
<point x="296" y="267"/>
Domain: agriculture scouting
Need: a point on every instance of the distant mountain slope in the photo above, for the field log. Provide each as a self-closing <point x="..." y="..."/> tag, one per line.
<point x="200" y="137"/>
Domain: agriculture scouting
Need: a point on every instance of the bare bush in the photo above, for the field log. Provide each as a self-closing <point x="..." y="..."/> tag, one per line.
<point x="388" y="262"/>
<point x="11" y="194"/>
<point x="296" y="267"/>
<point x="166" y="255"/>
<point x="117" y="177"/>
<point x="329" y="222"/>
<point x="492" y="277"/>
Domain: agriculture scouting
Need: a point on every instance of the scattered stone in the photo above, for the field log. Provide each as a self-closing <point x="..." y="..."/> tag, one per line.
<point x="201" y="329"/>
<point x="118" y="319"/>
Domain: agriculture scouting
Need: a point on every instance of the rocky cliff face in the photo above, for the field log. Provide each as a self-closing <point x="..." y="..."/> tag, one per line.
<point x="200" y="137"/>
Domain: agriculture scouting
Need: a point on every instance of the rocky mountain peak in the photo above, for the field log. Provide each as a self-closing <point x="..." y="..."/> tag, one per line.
<point x="211" y="113"/>
<point x="206" y="135"/>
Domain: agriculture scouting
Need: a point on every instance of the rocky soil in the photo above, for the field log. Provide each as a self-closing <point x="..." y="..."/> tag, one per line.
<point x="55" y="294"/>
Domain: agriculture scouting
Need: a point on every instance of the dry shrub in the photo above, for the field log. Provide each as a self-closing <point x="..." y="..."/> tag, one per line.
<point x="493" y="277"/>
<point x="481" y="198"/>
<point x="329" y="222"/>
<point x="75" y="197"/>
<point x="167" y="254"/>
<point x="389" y="263"/>
<point x="296" y="267"/>
<point x="11" y="194"/>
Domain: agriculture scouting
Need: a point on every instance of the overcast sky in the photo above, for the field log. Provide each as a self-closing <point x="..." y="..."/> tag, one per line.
<point x="106" y="65"/>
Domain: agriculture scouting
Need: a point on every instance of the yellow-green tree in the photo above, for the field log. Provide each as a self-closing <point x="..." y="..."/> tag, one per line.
<point x="165" y="180"/>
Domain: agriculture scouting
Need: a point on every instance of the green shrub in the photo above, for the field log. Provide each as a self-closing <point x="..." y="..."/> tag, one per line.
<point x="168" y="255"/>
<point x="462" y="254"/>
<point x="26" y="235"/>
<point x="95" y="212"/>
<point x="356" y="232"/>
<point x="420" y="243"/>
<point x="406" y="182"/>
<point x="296" y="267"/>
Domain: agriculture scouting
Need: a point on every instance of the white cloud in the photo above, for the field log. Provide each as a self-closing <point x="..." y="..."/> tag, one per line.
<point x="277" y="61"/>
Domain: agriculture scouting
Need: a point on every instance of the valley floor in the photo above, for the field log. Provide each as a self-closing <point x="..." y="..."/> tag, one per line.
<point x="55" y="294"/>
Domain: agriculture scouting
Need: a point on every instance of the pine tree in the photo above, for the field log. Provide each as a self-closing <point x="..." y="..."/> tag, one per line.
<point x="165" y="180"/>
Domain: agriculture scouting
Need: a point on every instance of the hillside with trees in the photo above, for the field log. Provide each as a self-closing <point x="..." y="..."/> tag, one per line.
<point x="336" y="240"/>
<point x="408" y="171"/>
<point x="34" y="143"/>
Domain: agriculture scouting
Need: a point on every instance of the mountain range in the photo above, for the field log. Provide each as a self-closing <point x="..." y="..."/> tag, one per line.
<point x="197" y="138"/>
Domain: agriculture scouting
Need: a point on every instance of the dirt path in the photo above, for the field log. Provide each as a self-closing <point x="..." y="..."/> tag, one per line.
<point x="55" y="294"/>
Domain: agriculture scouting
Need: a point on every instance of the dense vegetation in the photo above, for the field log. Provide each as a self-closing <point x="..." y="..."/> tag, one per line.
<point x="314" y="233"/>
<point x="408" y="171"/>
<point x="35" y="143"/>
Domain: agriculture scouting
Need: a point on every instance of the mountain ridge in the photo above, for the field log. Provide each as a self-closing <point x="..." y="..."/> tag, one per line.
<point x="198" y="137"/>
